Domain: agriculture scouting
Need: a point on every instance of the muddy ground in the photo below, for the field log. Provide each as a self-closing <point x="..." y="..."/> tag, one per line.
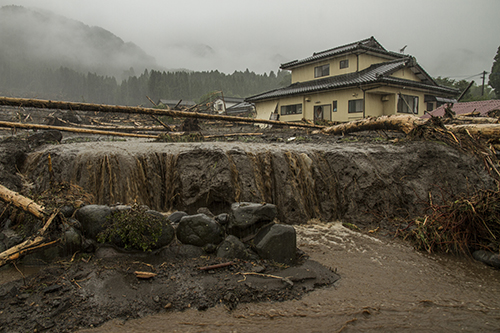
<point x="385" y="285"/>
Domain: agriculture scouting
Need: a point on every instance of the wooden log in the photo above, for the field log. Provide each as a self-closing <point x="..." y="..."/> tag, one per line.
<point x="144" y="275"/>
<point x="111" y="127"/>
<point x="72" y="129"/>
<point x="490" y="131"/>
<point x="404" y="123"/>
<point x="46" y="104"/>
<point x="30" y="244"/>
<point x="22" y="202"/>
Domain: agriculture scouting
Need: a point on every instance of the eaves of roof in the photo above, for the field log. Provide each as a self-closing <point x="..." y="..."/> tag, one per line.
<point x="375" y="74"/>
<point x="366" y="45"/>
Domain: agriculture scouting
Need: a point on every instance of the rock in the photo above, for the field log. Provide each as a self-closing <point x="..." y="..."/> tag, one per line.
<point x="92" y="219"/>
<point x="489" y="258"/>
<point x="72" y="240"/>
<point x="199" y="230"/>
<point x="222" y="219"/>
<point x="210" y="248"/>
<point x="120" y="208"/>
<point x="67" y="211"/>
<point x="167" y="231"/>
<point x="233" y="248"/>
<point x="247" y="217"/>
<point x="176" y="217"/>
<point x="277" y="242"/>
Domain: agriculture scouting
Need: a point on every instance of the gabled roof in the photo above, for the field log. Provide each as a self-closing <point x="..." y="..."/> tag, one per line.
<point x="369" y="44"/>
<point x="375" y="74"/>
<point x="481" y="107"/>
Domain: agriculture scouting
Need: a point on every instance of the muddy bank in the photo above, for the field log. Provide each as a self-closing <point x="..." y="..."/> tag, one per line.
<point x="89" y="291"/>
<point x="363" y="183"/>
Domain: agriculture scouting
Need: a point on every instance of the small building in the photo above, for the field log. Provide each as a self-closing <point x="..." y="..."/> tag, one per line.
<point x="349" y="82"/>
<point x="176" y="103"/>
<point x="221" y="104"/>
<point x="490" y="108"/>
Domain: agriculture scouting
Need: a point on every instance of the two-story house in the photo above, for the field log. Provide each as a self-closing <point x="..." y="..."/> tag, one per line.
<point x="353" y="81"/>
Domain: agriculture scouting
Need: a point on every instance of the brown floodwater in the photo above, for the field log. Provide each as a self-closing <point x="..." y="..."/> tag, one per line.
<point x="386" y="286"/>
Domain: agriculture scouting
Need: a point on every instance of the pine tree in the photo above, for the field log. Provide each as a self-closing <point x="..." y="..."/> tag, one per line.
<point x="494" y="80"/>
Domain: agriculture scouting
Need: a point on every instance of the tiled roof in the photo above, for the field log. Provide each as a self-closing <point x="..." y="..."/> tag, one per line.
<point x="369" y="44"/>
<point x="482" y="107"/>
<point x="377" y="73"/>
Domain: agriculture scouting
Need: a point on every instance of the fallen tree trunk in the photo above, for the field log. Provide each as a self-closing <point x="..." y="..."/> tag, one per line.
<point x="45" y="104"/>
<point x="28" y="245"/>
<point x="107" y="126"/>
<point x="22" y="202"/>
<point x="489" y="131"/>
<point x="73" y="129"/>
<point x="395" y="123"/>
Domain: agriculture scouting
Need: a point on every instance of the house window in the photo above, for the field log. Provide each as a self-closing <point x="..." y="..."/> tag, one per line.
<point x="291" y="109"/>
<point x="408" y="104"/>
<point x="334" y="104"/>
<point x="322" y="70"/>
<point x="344" y="63"/>
<point x="430" y="106"/>
<point x="355" y="105"/>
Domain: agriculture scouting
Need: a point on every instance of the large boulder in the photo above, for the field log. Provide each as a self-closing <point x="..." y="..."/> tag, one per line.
<point x="247" y="217"/>
<point x="199" y="230"/>
<point x="277" y="242"/>
<point x="233" y="248"/>
<point x="93" y="218"/>
<point x="489" y="258"/>
<point x="167" y="231"/>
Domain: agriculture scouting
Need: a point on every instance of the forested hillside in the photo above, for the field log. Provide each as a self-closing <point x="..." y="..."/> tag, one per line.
<point x="43" y="55"/>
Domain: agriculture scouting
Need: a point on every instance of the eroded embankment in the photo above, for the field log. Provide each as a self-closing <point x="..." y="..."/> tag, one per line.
<point x="361" y="182"/>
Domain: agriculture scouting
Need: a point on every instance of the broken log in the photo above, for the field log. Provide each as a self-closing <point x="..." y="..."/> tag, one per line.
<point x="73" y="129"/>
<point x="490" y="131"/>
<point x="33" y="243"/>
<point x="45" y="104"/>
<point x="403" y="124"/>
<point x="144" y="275"/>
<point x="22" y="202"/>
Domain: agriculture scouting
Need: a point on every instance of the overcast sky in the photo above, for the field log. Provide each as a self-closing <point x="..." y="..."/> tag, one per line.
<point x="449" y="38"/>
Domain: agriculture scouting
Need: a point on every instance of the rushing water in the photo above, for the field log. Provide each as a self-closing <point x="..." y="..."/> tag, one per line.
<point x="386" y="286"/>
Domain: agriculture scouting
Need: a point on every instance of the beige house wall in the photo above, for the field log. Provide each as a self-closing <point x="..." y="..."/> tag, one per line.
<point x="379" y="101"/>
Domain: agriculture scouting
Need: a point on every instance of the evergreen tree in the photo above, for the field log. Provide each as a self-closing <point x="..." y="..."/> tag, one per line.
<point x="494" y="79"/>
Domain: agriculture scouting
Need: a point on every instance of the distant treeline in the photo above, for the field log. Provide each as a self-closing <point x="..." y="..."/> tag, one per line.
<point x="69" y="85"/>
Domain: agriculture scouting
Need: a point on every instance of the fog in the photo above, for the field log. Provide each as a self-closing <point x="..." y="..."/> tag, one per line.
<point x="449" y="38"/>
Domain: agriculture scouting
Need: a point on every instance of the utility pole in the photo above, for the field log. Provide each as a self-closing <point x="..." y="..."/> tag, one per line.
<point x="484" y="76"/>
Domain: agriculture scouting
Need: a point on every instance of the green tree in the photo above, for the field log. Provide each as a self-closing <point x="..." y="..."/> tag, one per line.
<point x="494" y="79"/>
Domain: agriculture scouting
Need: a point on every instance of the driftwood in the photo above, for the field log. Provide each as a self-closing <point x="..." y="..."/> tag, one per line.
<point x="45" y="104"/>
<point x="144" y="275"/>
<point x="32" y="244"/>
<point x="396" y="123"/>
<point x="490" y="131"/>
<point x="72" y="129"/>
<point x="22" y="202"/>
<point x="108" y="126"/>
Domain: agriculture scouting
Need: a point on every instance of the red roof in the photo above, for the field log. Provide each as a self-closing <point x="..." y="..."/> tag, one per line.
<point x="483" y="107"/>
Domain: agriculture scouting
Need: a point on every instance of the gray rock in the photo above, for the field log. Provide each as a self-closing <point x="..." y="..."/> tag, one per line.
<point x="67" y="210"/>
<point x="247" y="217"/>
<point x="167" y="231"/>
<point x="233" y="248"/>
<point x="176" y="217"/>
<point x="72" y="240"/>
<point x="277" y="242"/>
<point x="199" y="230"/>
<point x="92" y="219"/>
<point x="489" y="258"/>
<point x="222" y="219"/>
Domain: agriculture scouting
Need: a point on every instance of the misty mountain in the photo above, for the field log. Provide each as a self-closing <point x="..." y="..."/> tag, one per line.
<point x="32" y="38"/>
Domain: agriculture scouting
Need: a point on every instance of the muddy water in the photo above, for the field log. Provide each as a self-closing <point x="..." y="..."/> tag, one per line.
<point x="386" y="286"/>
